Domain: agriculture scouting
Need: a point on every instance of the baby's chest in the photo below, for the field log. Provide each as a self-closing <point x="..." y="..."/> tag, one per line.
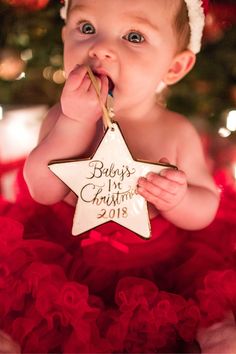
<point x="153" y="147"/>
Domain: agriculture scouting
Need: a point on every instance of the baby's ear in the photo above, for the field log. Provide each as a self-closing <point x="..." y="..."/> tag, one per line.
<point x="180" y="66"/>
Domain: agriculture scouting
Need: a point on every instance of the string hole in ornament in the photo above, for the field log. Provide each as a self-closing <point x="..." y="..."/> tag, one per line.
<point x="112" y="128"/>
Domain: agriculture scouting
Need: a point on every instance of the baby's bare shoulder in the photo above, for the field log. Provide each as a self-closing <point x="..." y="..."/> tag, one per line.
<point x="177" y="121"/>
<point x="176" y="126"/>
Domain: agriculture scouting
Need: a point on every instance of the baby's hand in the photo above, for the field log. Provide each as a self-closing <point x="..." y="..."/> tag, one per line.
<point x="7" y="345"/>
<point x="164" y="190"/>
<point x="79" y="99"/>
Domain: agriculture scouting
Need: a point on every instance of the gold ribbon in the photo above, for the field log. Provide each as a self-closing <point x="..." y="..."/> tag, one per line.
<point x="107" y="121"/>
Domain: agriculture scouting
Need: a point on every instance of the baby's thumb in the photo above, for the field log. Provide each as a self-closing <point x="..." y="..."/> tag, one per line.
<point x="104" y="88"/>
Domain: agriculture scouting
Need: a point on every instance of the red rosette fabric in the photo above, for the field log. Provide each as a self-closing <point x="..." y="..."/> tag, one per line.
<point x="57" y="295"/>
<point x="218" y="296"/>
<point x="149" y="320"/>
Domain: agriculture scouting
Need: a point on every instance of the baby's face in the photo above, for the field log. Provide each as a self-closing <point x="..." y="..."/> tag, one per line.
<point x="132" y="41"/>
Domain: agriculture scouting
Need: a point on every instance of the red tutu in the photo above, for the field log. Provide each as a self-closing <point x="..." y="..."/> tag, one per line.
<point x="109" y="291"/>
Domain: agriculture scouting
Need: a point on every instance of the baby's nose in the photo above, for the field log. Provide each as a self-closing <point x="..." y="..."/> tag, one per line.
<point x="102" y="50"/>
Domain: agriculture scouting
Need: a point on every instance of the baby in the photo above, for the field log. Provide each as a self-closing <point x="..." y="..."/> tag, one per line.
<point x="133" y="48"/>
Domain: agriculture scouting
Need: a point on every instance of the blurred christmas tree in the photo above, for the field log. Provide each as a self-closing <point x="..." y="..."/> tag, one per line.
<point x="31" y="61"/>
<point x="30" y="53"/>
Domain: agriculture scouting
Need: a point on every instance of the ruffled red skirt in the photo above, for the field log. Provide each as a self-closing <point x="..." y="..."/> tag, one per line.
<point x="109" y="291"/>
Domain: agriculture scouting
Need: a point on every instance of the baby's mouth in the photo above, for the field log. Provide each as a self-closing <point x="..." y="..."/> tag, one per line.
<point x="111" y="84"/>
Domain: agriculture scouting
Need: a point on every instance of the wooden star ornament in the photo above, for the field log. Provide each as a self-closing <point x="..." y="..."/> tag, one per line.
<point x="106" y="186"/>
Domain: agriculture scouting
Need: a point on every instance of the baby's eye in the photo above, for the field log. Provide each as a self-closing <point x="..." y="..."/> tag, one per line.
<point x="86" y="28"/>
<point x="134" y="37"/>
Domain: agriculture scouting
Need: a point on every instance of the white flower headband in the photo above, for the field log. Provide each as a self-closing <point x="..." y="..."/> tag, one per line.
<point x="196" y="13"/>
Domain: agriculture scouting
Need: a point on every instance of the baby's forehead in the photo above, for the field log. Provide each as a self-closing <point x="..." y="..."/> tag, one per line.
<point x="158" y="6"/>
<point x="170" y="4"/>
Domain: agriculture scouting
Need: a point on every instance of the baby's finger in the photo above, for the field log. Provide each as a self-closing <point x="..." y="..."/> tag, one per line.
<point x="144" y="184"/>
<point x="156" y="196"/>
<point x="156" y="190"/>
<point x="174" y="175"/>
<point x="104" y="87"/>
<point x="166" y="184"/>
<point x="75" y="78"/>
<point x="102" y="84"/>
<point x="85" y="85"/>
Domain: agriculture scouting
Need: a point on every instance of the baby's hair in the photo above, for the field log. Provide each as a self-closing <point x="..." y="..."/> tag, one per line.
<point x="181" y="24"/>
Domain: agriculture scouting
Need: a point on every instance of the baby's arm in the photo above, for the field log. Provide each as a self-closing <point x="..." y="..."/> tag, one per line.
<point x="188" y="196"/>
<point x="68" y="131"/>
